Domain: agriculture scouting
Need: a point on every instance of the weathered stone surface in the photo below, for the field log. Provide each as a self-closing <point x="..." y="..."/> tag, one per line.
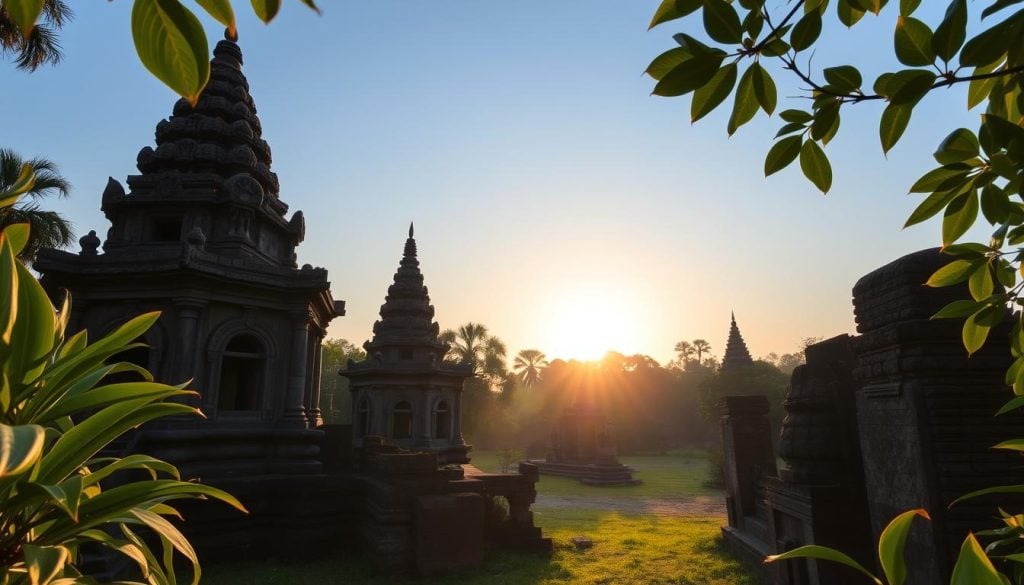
<point x="449" y="532"/>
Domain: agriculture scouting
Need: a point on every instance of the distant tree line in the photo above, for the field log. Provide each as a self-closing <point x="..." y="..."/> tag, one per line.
<point x="650" y="407"/>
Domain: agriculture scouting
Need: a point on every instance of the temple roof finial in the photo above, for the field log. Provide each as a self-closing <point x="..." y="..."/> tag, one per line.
<point x="410" y="229"/>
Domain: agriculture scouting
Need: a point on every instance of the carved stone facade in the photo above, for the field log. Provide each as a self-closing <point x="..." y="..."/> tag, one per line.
<point x="203" y="237"/>
<point x="895" y="419"/>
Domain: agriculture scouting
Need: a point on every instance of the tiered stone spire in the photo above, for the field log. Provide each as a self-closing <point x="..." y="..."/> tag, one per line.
<point x="207" y="181"/>
<point x="736" y="354"/>
<point x="221" y="135"/>
<point x="407" y="317"/>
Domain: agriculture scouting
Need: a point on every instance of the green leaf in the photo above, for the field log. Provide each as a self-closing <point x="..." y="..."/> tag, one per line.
<point x="997" y="6"/>
<point x="312" y="5"/>
<point x="806" y="31"/>
<point x="974" y="334"/>
<point x="826" y="122"/>
<point x="849" y="15"/>
<point x="24" y="13"/>
<point x="845" y="78"/>
<point x="979" y="89"/>
<point x="721" y="22"/>
<point x="813" y="551"/>
<point x="815" y="166"/>
<point x="45" y="563"/>
<point x="913" y="40"/>
<point x="1012" y="444"/>
<point x="18" y="234"/>
<point x="955" y="272"/>
<point x="893" y="124"/>
<point x="764" y="88"/>
<point x="951" y="32"/>
<point x="990" y="44"/>
<point x="713" y="93"/>
<point x="891" y="543"/>
<point x="782" y="154"/>
<point x="973" y="567"/>
<point x="959" y="217"/>
<point x="981" y="283"/>
<point x="667" y="61"/>
<point x="745" y="104"/>
<point x="995" y="204"/>
<point x="909" y="86"/>
<point x="222" y="12"/>
<point x="907" y="7"/>
<point x="799" y="116"/>
<point x="932" y="204"/>
<point x="941" y="179"/>
<point x="266" y="10"/>
<point x="673" y="9"/>
<point x="1002" y="489"/>
<point x="689" y="75"/>
<point x="958" y="310"/>
<point x="171" y="43"/>
<point x="960" y="145"/>
<point x="20" y="447"/>
<point x="1015" y="403"/>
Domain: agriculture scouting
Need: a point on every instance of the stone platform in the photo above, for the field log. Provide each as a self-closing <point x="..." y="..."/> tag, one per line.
<point x="600" y="474"/>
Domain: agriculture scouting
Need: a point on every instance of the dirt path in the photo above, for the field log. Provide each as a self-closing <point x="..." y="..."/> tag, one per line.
<point x="696" y="506"/>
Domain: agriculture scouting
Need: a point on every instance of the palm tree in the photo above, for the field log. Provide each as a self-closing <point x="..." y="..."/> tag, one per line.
<point x="40" y="46"/>
<point x="47" y="228"/>
<point x="701" y="347"/>
<point x="474" y="344"/>
<point x="528" y="365"/>
<point x="685" y="350"/>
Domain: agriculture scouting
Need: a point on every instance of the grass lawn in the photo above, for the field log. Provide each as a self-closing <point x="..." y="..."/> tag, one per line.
<point x="629" y="548"/>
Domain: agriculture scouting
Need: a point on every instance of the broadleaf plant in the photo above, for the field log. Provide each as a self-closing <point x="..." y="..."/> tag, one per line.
<point x="58" y="412"/>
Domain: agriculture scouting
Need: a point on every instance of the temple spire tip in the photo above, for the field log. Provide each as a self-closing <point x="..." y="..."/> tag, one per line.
<point x="410" y="229"/>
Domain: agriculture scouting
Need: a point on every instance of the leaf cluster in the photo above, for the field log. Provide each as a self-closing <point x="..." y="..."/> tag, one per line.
<point x="169" y="38"/>
<point x="58" y="412"/>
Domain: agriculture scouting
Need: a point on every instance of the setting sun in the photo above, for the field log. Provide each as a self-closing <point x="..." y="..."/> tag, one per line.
<point x="584" y="325"/>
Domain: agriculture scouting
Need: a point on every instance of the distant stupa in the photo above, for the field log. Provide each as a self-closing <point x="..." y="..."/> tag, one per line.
<point x="736" y="354"/>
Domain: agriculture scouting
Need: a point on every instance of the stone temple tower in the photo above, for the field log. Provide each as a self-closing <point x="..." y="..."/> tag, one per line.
<point x="404" y="391"/>
<point x="202" y="235"/>
<point x="736" y="354"/>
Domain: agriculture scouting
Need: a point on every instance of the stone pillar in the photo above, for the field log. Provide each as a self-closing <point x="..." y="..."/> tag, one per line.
<point x="315" y="414"/>
<point x="294" y="411"/>
<point x="819" y="495"/>
<point x="925" y="412"/>
<point x="749" y="457"/>
<point x="186" y="367"/>
<point x="457" y="438"/>
<point x="425" y="433"/>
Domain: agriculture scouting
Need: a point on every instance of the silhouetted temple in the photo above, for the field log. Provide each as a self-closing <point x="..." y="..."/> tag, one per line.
<point x="404" y="390"/>
<point x="202" y="236"/>
<point x="736" y="353"/>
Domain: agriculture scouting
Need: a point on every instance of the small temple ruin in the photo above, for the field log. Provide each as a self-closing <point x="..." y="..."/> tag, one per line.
<point x="203" y="236"/>
<point x="582" y="446"/>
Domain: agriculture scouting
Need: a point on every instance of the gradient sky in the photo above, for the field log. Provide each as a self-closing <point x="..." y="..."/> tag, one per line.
<point x="555" y="200"/>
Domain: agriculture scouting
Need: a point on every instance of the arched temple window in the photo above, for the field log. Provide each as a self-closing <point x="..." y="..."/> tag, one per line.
<point x="442" y="420"/>
<point x="241" y="374"/>
<point x="363" y="418"/>
<point x="401" y="421"/>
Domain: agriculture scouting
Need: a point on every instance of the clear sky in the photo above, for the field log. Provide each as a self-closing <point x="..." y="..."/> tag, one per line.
<point x="555" y="200"/>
